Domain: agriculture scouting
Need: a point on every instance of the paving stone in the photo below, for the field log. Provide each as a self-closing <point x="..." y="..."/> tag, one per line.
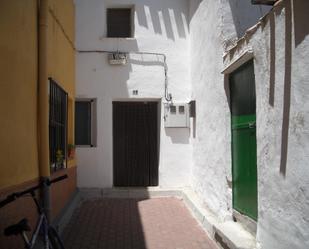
<point x="157" y="223"/>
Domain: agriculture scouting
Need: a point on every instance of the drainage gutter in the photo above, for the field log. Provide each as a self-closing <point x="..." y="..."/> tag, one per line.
<point x="43" y="106"/>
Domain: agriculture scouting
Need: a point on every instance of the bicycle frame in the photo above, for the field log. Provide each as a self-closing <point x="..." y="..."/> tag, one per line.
<point x="42" y="225"/>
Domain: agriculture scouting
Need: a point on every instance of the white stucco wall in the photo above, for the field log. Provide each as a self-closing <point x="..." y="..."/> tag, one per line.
<point x="201" y="157"/>
<point x="283" y="207"/>
<point x="214" y="26"/>
<point x="160" y="26"/>
<point x="211" y="147"/>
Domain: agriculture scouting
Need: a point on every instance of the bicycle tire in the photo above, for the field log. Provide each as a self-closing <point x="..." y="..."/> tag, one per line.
<point x="54" y="239"/>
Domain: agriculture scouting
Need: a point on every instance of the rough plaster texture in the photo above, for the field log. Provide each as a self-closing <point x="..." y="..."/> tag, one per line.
<point x="283" y="207"/>
<point x="206" y="156"/>
<point x="211" y="153"/>
<point x="159" y="26"/>
<point x="214" y="27"/>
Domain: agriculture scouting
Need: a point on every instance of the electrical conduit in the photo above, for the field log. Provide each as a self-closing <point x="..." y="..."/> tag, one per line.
<point x="43" y="103"/>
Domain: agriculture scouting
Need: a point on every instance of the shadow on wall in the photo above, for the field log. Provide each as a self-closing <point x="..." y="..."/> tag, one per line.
<point x="272" y="62"/>
<point x="287" y="76"/>
<point x="194" y="5"/>
<point x="178" y="135"/>
<point x="163" y="10"/>
<point x="301" y="27"/>
<point x="227" y="90"/>
<point x="287" y="87"/>
<point x="147" y="60"/>
<point x="245" y="15"/>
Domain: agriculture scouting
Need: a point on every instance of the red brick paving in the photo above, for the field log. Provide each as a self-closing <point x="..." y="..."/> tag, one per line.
<point x="158" y="223"/>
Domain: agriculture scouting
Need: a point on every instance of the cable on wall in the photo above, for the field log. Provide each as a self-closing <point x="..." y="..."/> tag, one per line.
<point x="167" y="95"/>
<point x="54" y="16"/>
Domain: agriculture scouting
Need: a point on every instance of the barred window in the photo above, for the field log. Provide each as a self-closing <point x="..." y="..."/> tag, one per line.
<point x="58" y="119"/>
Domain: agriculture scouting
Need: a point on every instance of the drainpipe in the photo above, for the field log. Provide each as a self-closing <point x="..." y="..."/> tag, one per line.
<point x="43" y="103"/>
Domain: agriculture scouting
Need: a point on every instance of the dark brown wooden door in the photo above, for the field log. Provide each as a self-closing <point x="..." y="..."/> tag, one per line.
<point x="135" y="137"/>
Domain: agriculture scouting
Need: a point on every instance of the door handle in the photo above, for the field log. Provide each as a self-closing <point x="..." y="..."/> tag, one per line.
<point x="252" y="125"/>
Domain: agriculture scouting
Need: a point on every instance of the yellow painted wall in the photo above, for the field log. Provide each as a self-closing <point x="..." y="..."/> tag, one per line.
<point x="19" y="81"/>
<point x="18" y="92"/>
<point x="61" y="54"/>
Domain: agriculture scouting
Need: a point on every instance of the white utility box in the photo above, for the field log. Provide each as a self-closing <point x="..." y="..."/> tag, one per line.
<point x="176" y="115"/>
<point x="117" y="58"/>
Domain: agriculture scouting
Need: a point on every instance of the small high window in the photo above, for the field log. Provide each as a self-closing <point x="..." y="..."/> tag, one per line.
<point x="119" y="22"/>
<point x="84" y="122"/>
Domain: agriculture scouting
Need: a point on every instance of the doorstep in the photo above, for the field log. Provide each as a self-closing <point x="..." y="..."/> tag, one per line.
<point x="229" y="234"/>
<point x="233" y="236"/>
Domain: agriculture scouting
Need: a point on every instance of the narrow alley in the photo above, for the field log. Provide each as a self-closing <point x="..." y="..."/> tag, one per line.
<point x="154" y="124"/>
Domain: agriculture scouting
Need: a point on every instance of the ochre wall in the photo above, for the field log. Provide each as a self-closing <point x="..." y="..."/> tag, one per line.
<point x="19" y="166"/>
<point x="18" y="84"/>
<point x="18" y="92"/>
<point x="18" y="111"/>
<point x="61" y="67"/>
<point x="61" y="54"/>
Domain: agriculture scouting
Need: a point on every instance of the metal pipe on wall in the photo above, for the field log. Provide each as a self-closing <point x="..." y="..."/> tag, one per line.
<point x="167" y="95"/>
<point x="43" y="105"/>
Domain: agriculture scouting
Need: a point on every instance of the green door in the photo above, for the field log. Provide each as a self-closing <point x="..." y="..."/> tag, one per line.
<point x="243" y="124"/>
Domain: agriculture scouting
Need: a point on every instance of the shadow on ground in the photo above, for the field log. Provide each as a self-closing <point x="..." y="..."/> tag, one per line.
<point x="135" y="224"/>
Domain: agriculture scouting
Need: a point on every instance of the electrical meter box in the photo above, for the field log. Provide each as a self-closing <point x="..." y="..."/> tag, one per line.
<point x="176" y="115"/>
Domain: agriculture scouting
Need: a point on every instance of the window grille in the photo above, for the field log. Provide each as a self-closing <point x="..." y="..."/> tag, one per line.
<point x="58" y="119"/>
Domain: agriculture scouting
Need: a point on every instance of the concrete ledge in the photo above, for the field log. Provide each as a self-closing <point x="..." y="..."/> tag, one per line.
<point x="229" y="234"/>
<point x="63" y="219"/>
<point x="204" y="216"/>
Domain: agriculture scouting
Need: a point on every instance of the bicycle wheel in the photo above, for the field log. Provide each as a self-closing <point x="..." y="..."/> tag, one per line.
<point x="54" y="239"/>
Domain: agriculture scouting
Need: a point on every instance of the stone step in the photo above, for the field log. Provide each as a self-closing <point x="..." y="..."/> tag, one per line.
<point x="231" y="235"/>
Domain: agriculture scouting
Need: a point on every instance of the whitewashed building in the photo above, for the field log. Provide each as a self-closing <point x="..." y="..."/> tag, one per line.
<point x="160" y="107"/>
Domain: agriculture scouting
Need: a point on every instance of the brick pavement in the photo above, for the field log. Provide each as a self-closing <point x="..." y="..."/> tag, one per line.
<point x="158" y="223"/>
